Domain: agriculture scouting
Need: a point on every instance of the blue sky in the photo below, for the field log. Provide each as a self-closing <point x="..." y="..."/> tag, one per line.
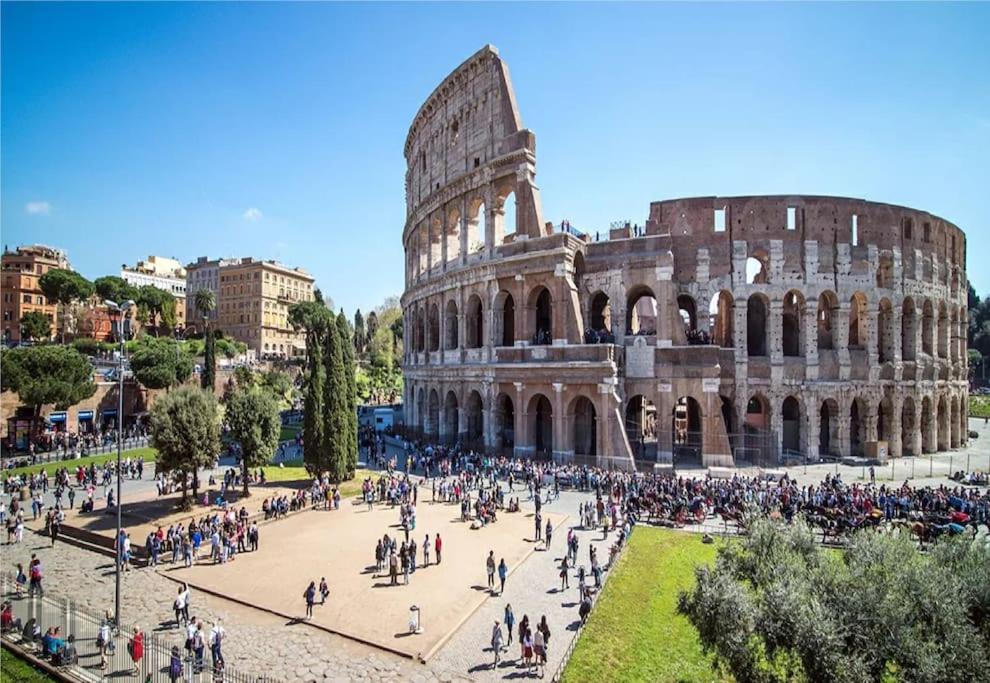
<point x="276" y="130"/>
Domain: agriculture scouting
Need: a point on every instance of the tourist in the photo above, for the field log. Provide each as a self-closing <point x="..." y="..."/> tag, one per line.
<point x="548" y="534"/>
<point x="199" y="647"/>
<point x="135" y="648"/>
<point x="564" y="570"/>
<point x="496" y="642"/>
<point x="437" y="547"/>
<point x="503" y="571"/>
<point x="527" y="644"/>
<point x="175" y="665"/>
<point x="20" y="580"/>
<point x="181" y="605"/>
<point x="523" y="627"/>
<point x="310" y="597"/>
<point x="539" y="651"/>
<point x="393" y="568"/>
<point x="324" y="590"/>
<point x="490" y="566"/>
<point x="216" y="642"/>
<point x="509" y="619"/>
<point x="104" y="640"/>
<point x="35" y="577"/>
<point x="426" y="551"/>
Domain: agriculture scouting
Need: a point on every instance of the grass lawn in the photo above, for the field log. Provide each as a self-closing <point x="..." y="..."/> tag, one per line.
<point x="294" y="471"/>
<point x="289" y="432"/>
<point x="146" y="454"/>
<point x="634" y="632"/>
<point x="16" y="670"/>
<point x="979" y="406"/>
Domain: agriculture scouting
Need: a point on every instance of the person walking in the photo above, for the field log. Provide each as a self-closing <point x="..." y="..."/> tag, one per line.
<point x="393" y="568"/>
<point x="496" y="642"/>
<point x="548" y="534"/>
<point x="523" y="627"/>
<point x="426" y="551"/>
<point x="437" y="546"/>
<point x="509" y="619"/>
<point x="490" y="566"/>
<point x="564" y="571"/>
<point x="180" y="604"/>
<point x="136" y="648"/>
<point x="503" y="571"/>
<point x="216" y="642"/>
<point x="539" y="527"/>
<point x="310" y="597"/>
<point x="175" y="665"/>
<point x="324" y="590"/>
<point x="539" y="651"/>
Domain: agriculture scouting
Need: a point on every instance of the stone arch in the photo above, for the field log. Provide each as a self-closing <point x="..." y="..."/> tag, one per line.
<point x="927" y="327"/>
<point x="641" y="311"/>
<point x="942" y="423"/>
<point x="858" y="321"/>
<point x="601" y="313"/>
<point x="541" y="423"/>
<point x="433" y="414"/>
<point x="828" y="427"/>
<point x="885" y="271"/>
<point x="474" y="323"/>
<point x="954" y="440"/>
<point x="721" y="310"/>
<point x="728" y="414"/>
<point x="641" y="425"/>
<point x="436" y="241"/>
<point x="792" y="319"/>
<point x="858" y="415"/>
<point x="758" y="412"/>
<point x="686" y="420"/>
<point x="885" y="331"/>
<point x="421" y="410"/>
<point x="476" y="226"/>
<point x="757" y="317"/>
<point x="451" y="340"/>
<point x="757" y="268"/>
<point x="451" y="417"/>
<point x="505" y="217"/>
<point x="792" y="436"/>
<point x="505" y="421"/>
<point x="420" y="335"/>
<point x="434" y="327"/>
<point x="578" y="270"/>
<point x="908" y="427"/>
<point x="828" y="308"/>
<point x="885" y="422"/>
<point x="452" y="235"/>
<point x="505" y="319"/>
<point x="584" y="419"/>
<point x="928" y="442"/>
<point x="688" y="310"/>
<point x="909" y="328"/>
<point x="474" y="417"/>
<point x="943" y="331"/>
<point x="541" y="316"/>
<point x="423" y="249"/>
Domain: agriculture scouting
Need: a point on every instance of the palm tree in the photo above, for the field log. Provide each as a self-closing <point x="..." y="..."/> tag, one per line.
<point x="205" y="302"/>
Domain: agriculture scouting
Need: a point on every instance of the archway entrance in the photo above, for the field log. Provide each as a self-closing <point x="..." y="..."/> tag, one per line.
<point x="641" y="427"/>
<point x="585" y="427"/>
<point x="475" y="422"/>
<point x="450" y="418"/>
<point x="686" y="428"/>
<point x="857" y="427"/>
<point x="908" y="427"/>
<point x="433" y="416"/>
<point x="505" y="422"/>
<point x="791" y="438"/>
<point x="543" y="317"/>
<point x="927" y="426"/>
<point x="641" y="312"/>
<point x="756" y="325"/>
<point x="541" y="416"/>
<point x="828" y="428"/>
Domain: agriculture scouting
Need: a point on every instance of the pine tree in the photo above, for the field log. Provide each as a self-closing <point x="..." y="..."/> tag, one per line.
<point x="360" y="337"/>
<point x="209" y="376"/>
<point x="351" y="386"/>
<point x="313" y="317"/>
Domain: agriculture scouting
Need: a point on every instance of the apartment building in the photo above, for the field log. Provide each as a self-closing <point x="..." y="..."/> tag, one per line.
<point x="164" y="273"/>
<point x="204" y="273"/>
<point x="21" y="293"/>
<point x="254" y="302"/>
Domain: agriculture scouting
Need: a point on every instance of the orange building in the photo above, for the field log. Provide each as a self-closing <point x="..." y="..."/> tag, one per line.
<point x="21" y="293"/>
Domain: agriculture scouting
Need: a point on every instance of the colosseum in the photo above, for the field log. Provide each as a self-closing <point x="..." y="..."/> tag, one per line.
<point x="724" y="330"/>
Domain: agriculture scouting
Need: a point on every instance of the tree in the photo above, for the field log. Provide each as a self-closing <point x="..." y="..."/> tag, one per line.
<point x="40" y="375"/>
<point x="255" y="423"/>
<point x="185" y="430"/>
<point x="350" y="439"/>
<point x="245" y="377"/>
<point x="36" y="326"/>
<point x="776" y="606"/>
<point x="313" y="317"/>
<point x="359" y="332"/>
<point x="158" y="307"/>
<point x="205" y="303"/>
<point x="335" y="403"/>
<point x="114" y="288"/>
<point x="160" y="363"/>
<point x="64" y="287"/>
<point x="279" y="385"/>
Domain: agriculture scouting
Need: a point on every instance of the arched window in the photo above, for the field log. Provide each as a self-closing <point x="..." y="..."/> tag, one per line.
<point x="585" y="423"/>
<point x="542" y="307"/>
<point x="505" y="318"/>
<point x="756" y="269"/>
<point x="453" y="235"/>
<point x="792" y="438"/>
<point x="909" y="326"/>
<point x="505" y="226"/>
<point x="720" y="310"/>
<point x="927" y="327"/>
<point x="641" y="312"/>
<point x="434" y="328"/>
<point x="828" y="306"/>
<point x="885" y="329"/>
<point x="450" y="325"/>
<point x="756" y="325"/>
<point x="791" y="321"/>
<point x="601" y="313"/>
<point x="828" y="429"/>
<point x="908" y="427"/>
<point x="857" y="321"/>
<point x="476" y="227"/>
<point x="541" y="417"/>
<point x="474" y="323"/>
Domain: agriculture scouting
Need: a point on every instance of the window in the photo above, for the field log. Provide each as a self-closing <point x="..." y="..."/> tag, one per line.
<point x="928" y="232"/>
<point x="855" y="230"/>
<point x="720" y="220"/>
<point x="27" y="298"/>
<point x="791" y="218"/>
<point x="908" y="228"/>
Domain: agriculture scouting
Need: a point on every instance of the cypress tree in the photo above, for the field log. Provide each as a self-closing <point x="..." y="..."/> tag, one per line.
<point x="313" y="423"/>
<point x="351" y="396"/>
<point x="335" y="404"/>
<point x="209" y="376"/>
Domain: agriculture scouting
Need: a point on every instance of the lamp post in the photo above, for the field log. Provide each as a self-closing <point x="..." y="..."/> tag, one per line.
<point x="121" y="311"/>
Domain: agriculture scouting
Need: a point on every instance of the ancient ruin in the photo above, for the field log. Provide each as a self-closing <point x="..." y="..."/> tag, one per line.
<point x="724" y="330"/>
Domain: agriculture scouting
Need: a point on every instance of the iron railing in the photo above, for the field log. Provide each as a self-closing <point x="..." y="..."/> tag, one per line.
<point x="60" y="455"/>
<point x="113" y="660"/>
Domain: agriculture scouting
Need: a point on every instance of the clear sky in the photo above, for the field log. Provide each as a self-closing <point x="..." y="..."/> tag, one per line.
<point x="276" y="130"/>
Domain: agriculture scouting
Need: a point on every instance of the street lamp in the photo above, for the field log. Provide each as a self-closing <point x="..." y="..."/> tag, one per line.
<point x="121" y="311"/>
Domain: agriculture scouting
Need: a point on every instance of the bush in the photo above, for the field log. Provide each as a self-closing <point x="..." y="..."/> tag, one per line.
<point x="86" y="346"/>
<point x="979" y="406"/>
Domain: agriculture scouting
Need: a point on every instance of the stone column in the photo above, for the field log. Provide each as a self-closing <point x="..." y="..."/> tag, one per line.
<point x="840" y="340"/>
<point x="774" y="332"/>
<point x="872" y="340"/>
<point x="525" y="446"/>
<point x="915" y="435"/>
<point x="897" y="437"/>
<point x="895" y="323"/>
<point x="561" y="448"/>
<point x="465" y="222"/>
<point x="519" y="320"/>
<point x="813" y="427"/>
<point x="843" y="431"/>
<point x="810" y="328"/>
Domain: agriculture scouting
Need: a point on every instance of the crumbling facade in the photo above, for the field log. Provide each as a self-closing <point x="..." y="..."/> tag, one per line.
<point x="752" y="329"/>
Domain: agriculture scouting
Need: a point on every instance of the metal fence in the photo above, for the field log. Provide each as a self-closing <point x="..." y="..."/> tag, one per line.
<point x="60" y="455"/>
<point x="34" y="615"/>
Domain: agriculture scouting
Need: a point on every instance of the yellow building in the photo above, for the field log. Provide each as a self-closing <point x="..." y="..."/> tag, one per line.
<point x="254" y="302"/>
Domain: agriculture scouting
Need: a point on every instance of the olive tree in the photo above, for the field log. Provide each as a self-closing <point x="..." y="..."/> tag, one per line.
<point x="185" y="431"/>
<point x="253" y="417"/>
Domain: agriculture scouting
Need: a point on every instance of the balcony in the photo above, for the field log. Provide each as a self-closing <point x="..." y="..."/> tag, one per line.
<point x="568" y="353"/>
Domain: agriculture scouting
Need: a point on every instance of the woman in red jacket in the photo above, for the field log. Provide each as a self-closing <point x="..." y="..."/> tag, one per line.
<point x="136" y="648"/>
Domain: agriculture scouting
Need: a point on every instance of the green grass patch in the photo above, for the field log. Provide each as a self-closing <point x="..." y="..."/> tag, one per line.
<point x="17" y="670"/>
<point x="634" y="632"/>
<point x="289" y="433"/>
<point x="293" y="471"/>
<point x="979" y="406"/>
<point x="146" y="454"/>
